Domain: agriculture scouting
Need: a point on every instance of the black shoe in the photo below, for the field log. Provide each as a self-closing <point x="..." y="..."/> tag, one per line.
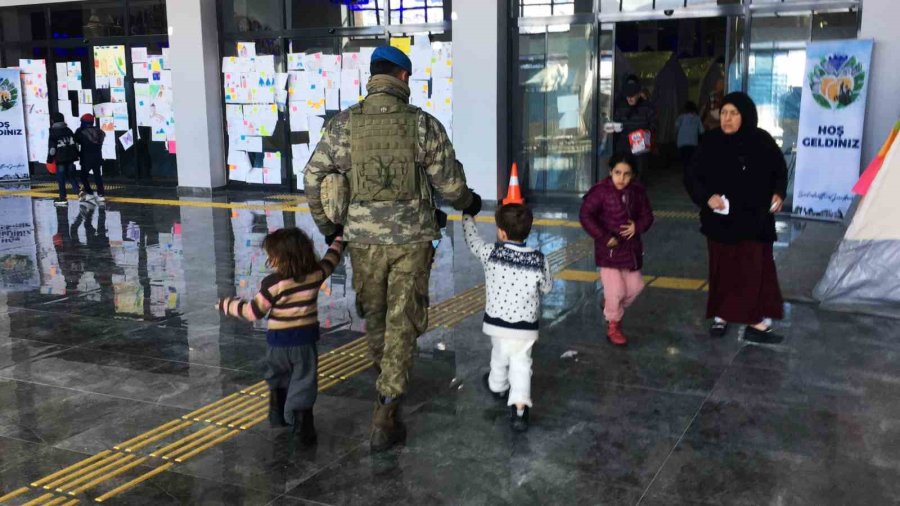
<point x="305" y="427"/>
<point x="61" y="202"/>
<point x="518" y="423"/>
<point x="718" y="328"/>
<point x="498" y="396"/>
<point x="768" y="336"/>
<point x="277" y="398"/>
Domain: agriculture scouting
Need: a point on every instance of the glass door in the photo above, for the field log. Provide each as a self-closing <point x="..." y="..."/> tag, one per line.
<point x="553" y="108"/>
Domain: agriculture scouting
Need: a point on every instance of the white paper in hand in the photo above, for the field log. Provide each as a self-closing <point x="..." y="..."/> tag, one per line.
<point x="725" y="210"/>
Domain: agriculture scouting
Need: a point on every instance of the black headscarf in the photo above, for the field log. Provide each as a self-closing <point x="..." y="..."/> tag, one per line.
<point x="745" y="105"/>
<point x="747" y="139"/>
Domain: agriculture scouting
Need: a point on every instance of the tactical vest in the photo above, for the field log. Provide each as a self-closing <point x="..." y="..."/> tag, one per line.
<point x="384" y="151"/>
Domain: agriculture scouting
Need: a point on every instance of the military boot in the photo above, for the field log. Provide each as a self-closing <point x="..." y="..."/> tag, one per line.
<point x="305" y="427"/>
<point x="277" y="398"/>
<point x="387" y="428"/>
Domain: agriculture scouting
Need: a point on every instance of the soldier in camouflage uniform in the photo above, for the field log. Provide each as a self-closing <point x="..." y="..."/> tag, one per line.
<point x="395" y="156"/>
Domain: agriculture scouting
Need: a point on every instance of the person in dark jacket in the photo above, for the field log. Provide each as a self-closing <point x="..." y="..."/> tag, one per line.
<point x="64" y="152"/>
<point x="738" y="178"/>
<point x="616" y="212"/>
<point x="90" y="147"/>
<point x="635" y="113"/>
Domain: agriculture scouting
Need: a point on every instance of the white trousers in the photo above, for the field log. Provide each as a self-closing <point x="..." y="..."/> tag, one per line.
<point x="511" y="368"/>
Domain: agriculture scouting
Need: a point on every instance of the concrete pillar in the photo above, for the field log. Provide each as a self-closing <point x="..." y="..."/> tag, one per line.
<point x="196" y="64"/>
<point x="879" y="22"/>
<point x="479" y="92"/>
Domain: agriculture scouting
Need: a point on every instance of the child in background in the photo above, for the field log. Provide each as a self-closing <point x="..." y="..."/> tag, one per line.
<point x="90" y="147"/>
<point x="288" y="298"/>
<point x="615" y="212"/>
<point x="515" y="276"/>
<point x="689" y="129"/>
<point x="62" y="151"/>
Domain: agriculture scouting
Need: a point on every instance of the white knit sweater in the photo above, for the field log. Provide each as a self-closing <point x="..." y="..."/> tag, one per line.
<point x="515" y="276"/>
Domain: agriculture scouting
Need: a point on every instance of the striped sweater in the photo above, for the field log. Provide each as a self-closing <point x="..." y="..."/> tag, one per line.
<point x="291" y="305"/>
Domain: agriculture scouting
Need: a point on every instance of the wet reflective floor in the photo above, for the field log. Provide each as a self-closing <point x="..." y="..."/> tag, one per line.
<point x="120" y="382"/>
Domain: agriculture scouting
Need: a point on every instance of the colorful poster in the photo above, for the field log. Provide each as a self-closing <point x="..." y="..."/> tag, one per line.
<point x="13" y="139"/>
<point x="832" y="116"/>
<point x="109" y="66"/>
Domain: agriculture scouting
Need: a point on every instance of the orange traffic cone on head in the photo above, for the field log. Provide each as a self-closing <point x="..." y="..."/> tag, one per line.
<point x="514" y="193"/>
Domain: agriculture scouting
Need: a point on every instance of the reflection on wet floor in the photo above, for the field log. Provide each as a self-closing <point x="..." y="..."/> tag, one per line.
<point x="107" y="333"/>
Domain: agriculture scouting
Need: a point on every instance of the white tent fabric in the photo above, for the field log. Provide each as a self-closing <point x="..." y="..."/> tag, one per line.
<point x="864" y="273"/>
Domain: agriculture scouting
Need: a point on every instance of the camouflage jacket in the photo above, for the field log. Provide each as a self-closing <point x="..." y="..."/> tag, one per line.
<point x="393" y="222"/>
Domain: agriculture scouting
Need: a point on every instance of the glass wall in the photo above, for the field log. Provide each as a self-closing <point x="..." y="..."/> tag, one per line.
<point x="87" y="56"/>
<point x="553" y="108"/>
<point x="565" y="72"/>
<point x="317" y="45"/>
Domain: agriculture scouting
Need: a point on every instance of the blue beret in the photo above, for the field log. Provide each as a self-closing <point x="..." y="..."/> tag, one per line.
<point x="393" y="55"/>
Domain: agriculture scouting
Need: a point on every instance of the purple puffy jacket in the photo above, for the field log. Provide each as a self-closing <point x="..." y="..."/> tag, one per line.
<point x="604" y="210"/>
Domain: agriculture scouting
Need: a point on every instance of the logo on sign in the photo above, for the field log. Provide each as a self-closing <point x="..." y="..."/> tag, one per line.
<point x="837" y="81"/>
<point x="8" y="95"/>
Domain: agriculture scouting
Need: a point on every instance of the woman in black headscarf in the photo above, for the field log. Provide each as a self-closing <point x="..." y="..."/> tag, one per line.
<point x="739" y="179"/>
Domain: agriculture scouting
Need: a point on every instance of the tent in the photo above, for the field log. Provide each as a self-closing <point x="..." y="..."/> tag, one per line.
<point x="864" y="272"/>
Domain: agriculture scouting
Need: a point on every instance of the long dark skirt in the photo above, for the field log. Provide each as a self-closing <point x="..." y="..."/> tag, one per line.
<point x="743" y="283"/>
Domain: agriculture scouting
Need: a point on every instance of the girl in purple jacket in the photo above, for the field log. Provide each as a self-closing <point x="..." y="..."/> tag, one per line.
<point x="615" y="212"/>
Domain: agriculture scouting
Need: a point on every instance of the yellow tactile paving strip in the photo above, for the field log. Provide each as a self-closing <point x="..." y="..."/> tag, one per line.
<point x="287" y="202"/>
<point x="177" y="441"/>
<point x="691" y="284"/>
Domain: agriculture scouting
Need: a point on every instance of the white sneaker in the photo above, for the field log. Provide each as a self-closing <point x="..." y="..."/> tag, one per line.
<point x="100" y="199"/>
<point x="82" y="196"/>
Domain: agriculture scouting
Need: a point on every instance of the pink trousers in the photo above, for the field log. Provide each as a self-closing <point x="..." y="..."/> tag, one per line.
<point x="620" y="288"/>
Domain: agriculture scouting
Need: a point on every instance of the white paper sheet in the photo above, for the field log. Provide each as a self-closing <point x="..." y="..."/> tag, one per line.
<point x="312" y="61"/>
<point x="126" y="140"/>
<point x="252" y="144"/>
<point x="28" y="66"/>
<point x="300" y="155"/>
<point x="315" y="130"/>
<point x="331" y="62"/>
<point x="350" y="61"/>
<point x="350" y="88"/>
<point x="299" y="119"/>
<point x="109" y="147"/>
<point x="141" y="70"/>
<point x="255" y="175"/>
<point x="117" y="95"/>
<point x="421" y="56"/>
<point x="295" y="61"/>
<point x="138" y="54"/>
<point x="245" y="49"/>
<point x="264" y="63"/>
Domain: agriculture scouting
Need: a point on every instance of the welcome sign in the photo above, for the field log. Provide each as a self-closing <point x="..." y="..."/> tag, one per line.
<point x="13" y="141"/>
<point x="832" y="116"/>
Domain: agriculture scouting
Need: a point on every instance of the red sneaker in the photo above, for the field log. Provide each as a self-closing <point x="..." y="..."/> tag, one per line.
<point x="615" y="336"/>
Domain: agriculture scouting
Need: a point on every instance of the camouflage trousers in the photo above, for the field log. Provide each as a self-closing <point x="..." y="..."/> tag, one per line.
<point x="391" y="283"/>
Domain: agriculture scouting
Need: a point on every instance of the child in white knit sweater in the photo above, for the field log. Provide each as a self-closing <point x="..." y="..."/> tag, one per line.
<point x="515" y="278"/>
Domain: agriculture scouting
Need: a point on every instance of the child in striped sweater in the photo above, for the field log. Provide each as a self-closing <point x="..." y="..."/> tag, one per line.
<point x="288" y="298"/>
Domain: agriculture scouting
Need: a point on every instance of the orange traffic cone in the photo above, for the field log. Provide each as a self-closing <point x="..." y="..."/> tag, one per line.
<point x="514" y="193"/>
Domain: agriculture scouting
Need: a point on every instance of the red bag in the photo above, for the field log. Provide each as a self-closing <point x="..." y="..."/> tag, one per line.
<point x="640" y="141"/>
<point x="51" y="167"/>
